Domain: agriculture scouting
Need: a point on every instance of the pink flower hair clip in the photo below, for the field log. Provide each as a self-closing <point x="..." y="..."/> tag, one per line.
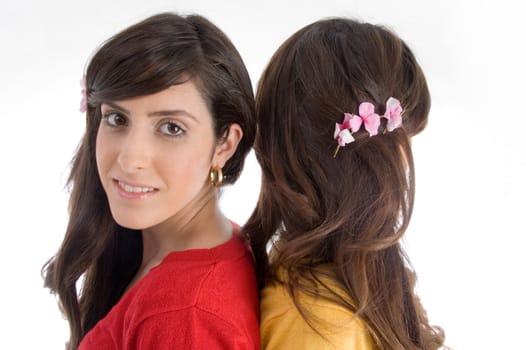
<point x="369" y="119"/>
<point x="84" y="99"/>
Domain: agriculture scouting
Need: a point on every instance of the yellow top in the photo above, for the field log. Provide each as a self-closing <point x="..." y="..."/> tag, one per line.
<point x="283" y="327"/>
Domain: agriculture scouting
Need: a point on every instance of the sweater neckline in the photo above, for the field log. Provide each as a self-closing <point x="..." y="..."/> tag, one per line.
<point x="224" y="251"/>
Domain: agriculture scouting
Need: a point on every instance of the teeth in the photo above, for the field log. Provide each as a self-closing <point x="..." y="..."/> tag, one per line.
<point x="134" y="189"/>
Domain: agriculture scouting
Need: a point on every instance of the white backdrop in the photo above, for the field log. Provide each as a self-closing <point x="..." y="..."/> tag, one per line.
<point x="465" y="237"/>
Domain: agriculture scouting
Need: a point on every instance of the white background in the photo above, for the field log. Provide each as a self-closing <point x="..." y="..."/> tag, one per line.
<point x="465" y="239"/>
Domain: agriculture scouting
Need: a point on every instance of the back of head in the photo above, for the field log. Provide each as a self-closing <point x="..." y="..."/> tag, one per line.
<point x="349" y="210"/>
<point x="323" y="71"/>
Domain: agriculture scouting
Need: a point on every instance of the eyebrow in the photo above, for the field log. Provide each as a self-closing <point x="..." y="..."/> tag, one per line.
<point x="161" y="113"/>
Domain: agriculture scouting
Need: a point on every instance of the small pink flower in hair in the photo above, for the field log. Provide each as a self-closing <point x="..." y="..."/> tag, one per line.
<point x="84" y="100"/>
<point x="342" y="132"/>
<point x="371" y="121"/>
<point x="393" y="114"/>
<point x="368" y="117"/>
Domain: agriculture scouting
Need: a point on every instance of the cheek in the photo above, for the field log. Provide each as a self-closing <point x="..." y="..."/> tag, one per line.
<point x="102" y="152"/>
<point x="189" y="164"/>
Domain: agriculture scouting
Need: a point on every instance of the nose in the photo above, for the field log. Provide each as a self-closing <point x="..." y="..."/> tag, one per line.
<point x="135" y="151"/>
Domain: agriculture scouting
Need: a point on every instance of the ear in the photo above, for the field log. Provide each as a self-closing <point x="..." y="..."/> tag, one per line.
<point x="227" y="145"/>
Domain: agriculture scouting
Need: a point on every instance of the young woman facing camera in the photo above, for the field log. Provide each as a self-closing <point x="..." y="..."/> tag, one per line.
<point x="169" y="119"/>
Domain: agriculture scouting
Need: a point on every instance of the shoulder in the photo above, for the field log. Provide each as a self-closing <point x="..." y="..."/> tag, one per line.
<point x="191" y="328"/>
<point x="211" y="279"/>
<point x="202" y="294"/>
<point x="194" y="299"/>
<point x="188" y="278"/>
<point x="283" y="326"/>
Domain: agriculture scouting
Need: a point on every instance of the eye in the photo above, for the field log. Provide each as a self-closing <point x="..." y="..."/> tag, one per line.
<point x="115" y="120"/>
<point x="171" y="129"/>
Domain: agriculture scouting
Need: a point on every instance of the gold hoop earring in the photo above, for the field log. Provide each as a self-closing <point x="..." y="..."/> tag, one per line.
<point x="216" y="176"/>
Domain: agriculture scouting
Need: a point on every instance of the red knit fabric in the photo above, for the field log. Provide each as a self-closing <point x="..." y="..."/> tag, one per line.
<point x="195" y="299"/>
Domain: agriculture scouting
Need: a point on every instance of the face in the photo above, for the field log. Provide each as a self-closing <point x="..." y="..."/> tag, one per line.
<point x="154" y="154"/>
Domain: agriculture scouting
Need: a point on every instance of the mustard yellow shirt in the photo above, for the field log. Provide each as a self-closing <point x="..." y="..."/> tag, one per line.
<point x="283" y="327"/>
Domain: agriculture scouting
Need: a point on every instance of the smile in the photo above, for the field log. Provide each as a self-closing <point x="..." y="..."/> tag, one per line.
<point x="133" y="189"/>
<point x="129" y="191"/>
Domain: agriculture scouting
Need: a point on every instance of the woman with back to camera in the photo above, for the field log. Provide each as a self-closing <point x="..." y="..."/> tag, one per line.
<point x="169" y="119"/>
<point x="336" y="107"/>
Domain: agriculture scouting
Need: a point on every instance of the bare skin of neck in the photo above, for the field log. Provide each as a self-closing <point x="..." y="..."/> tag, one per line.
<point x="199" y="225"/>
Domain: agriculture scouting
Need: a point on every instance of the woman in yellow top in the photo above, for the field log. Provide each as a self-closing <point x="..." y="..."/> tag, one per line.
<point x="336" y="108"/>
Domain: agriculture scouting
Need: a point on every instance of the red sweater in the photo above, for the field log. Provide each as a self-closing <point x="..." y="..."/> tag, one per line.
<point x="195" y="299"/>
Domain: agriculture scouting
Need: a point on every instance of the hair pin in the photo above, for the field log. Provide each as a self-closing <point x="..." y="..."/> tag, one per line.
<point x="369" y="119"/>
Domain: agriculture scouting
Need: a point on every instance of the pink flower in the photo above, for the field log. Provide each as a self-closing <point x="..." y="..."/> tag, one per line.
<point x="342" y="133"/>
<point x="393" y="114"/>
<point x="352" y="123"/>
<point x="84" y="100"/>
<point x="368" y="117"/>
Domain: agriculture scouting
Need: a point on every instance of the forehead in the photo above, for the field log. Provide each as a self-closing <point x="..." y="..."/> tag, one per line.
<point x="181" y="98"/>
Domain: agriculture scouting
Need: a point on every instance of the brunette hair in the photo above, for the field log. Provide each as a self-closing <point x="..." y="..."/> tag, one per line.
<point x="146" y="58"/>
<point x="349" y="211"/>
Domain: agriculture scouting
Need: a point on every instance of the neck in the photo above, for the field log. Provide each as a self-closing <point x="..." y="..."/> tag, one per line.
<point x="200" y="225"/>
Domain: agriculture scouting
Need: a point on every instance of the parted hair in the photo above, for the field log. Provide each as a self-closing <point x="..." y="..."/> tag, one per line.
<point x="146" y="58"/>
<point x="349" y="211"/>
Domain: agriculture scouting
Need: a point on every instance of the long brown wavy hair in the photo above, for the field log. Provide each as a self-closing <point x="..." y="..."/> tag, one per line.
<point x="146" y="58"/>
<point x="348" y="211"/>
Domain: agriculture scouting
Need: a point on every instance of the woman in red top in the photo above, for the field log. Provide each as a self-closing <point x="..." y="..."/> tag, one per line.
<point x="169" y="119"/>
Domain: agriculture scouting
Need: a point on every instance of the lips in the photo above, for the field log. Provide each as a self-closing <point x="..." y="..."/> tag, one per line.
<point x="133" y="191"/>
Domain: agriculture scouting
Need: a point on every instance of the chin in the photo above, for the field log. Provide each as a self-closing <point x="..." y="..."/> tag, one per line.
<point x="132" y="222"/>
<point x="131" y="225"/>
